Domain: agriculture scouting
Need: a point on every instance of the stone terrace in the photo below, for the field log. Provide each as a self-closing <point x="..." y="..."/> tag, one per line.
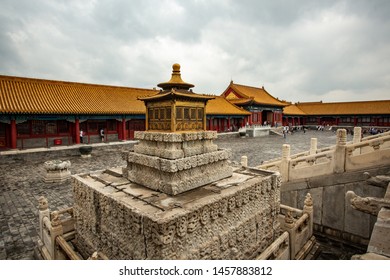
<point x="21" y="180"/>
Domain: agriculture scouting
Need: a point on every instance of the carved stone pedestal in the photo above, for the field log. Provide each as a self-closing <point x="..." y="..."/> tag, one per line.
<point x="57" y="171"/>
<point x="233" y="218"/>
<point x="176" y="162"/>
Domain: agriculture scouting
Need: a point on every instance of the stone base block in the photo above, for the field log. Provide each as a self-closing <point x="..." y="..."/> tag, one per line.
<point x="57" y="176"/>
<point x="57" y="171"/>
<point x="174" y="176"/>
<point x="258" y="131"/>
<point x="234" y="219"/>
<point x="175" y="145"/>
<point x="174" y="183"/>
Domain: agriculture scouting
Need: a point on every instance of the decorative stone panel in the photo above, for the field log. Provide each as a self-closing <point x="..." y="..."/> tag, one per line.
<point x="176" y="162"/>
<point x="57" y="171"/>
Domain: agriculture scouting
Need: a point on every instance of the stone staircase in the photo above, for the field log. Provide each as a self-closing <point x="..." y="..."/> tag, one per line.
<point x="277" y="131"/>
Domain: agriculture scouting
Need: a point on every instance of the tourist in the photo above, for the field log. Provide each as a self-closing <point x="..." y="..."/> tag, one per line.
<point x="102" y="134"/>
<point x="285" y="131"/>
<point x="81" y="135"/>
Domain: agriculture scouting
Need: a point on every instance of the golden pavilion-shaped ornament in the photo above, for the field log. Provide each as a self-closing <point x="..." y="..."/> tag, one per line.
<point x="176" y="107"/>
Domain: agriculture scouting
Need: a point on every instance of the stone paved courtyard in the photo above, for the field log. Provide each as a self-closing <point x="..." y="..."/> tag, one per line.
<point x="21" y="181"/>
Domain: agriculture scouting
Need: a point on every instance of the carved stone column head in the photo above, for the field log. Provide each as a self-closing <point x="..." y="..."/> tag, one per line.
<point x="341" y="137"/>
<point x="43" y="204"/>
<point x="313" y="146"/>
<point x="289" y="219"/>
<point x="357" y="134"/>
<point x="286" y="151"/>
<point x="244" y="161"/>
<point x="55" y="219"/>
<point x="308" y="207"/>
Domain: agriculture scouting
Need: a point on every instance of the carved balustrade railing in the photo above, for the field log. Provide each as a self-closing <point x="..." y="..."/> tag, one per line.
<point x="271" y="165"/>
<point x="297" y="238"/>
<point x="344" y="156"/>
<point x="56" y="228"/>
<point x="370" y="144"/>
<point x="370" y="137"/>
<point x="299" y="225"/>
<point x="311" y="165"/>
<point x="278" y="250"/>
<point x="372" y="151"/>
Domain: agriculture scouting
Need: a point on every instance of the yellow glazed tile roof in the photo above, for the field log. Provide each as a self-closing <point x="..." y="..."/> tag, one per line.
<point x="293" y="110"/>
<point x="248" y="94"/>
<point x="20" y="95"/>
<point x="220" y="106"/>
<point x="346" y="108"/>
<point x="37" y="96"/>
<point x="177" y="93"/>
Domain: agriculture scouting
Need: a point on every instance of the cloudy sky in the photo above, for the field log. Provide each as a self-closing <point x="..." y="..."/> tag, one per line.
<point x="304" y="50"/>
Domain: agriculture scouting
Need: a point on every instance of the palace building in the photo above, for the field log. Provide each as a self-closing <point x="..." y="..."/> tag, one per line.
<point x="264" y="108"/>
<point x="45" y="113"/>
<point x="362" y="113"/>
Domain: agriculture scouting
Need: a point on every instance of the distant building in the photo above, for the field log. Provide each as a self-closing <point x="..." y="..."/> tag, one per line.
<point x="362" y="113"/>
<point x="44" y="113"/>
<point x="264" y="108"/>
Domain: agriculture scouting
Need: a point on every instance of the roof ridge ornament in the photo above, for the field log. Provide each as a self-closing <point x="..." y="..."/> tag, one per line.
<point x="176" y="80"/>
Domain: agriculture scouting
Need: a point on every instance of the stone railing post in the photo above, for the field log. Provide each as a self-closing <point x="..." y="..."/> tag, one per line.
<point x="289" y="226"/>
<point x="244" y="161"/>
<point x="357" y="138"/>
<point x="285" y="162"/>
<point x="43" y="212"/>
<point x="313" y="146"/>
<point x="339" y="153"/>
<point x="56" y="230"/>
<point x="308" y="209"/>
<point x="357" y="134"/>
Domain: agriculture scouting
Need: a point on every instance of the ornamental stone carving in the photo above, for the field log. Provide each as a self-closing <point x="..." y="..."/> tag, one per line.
<point x="57" y="171"/>
<point x="43" y="204"/>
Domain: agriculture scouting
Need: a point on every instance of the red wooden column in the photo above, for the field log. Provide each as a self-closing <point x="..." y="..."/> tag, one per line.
<point x="273" y="119"/>
<point x="211" y="124"/>
<point x="13" y="134"/>
<point x="123" y="129"/>
<point x="77" y="131"/>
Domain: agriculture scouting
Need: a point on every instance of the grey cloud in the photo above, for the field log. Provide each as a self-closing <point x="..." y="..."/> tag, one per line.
<point x="286" y="45"/>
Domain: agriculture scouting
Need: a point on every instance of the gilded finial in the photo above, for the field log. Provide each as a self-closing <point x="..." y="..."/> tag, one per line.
<point x="176" y="80"/>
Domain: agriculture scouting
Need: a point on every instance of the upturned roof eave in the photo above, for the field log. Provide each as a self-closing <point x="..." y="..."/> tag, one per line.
<point x="174" y="94"/>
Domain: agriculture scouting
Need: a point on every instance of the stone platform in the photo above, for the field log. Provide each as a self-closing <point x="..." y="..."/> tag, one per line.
<point x="258" y="131"/>
<point x="233" y="218"/>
